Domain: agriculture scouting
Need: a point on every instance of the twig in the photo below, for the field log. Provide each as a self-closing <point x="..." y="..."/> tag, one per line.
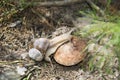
<point x="29" y="73"/>
<point x="96" y="8"/>
<point x="44" y="20"/>
<point x="10" y="62"/>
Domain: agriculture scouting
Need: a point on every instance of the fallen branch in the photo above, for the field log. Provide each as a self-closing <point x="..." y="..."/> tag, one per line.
<point x="54" y="3"/>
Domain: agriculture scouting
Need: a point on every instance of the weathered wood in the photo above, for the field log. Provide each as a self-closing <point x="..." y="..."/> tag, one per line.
<point x="54" y="3"/>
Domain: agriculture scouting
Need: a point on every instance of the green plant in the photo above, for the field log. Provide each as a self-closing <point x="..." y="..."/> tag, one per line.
<point x="109" y="26"/>
<point x="27" y="77"/>
<point x="108" y="5"/>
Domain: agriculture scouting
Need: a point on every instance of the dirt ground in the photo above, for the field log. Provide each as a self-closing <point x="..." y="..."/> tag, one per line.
<point x="35" y="23"/>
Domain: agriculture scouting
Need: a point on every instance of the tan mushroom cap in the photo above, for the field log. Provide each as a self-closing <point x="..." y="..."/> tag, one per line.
<point x="70" y="53"/>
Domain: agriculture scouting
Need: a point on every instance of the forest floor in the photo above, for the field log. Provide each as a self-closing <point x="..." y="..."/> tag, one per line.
<point x="17" y="33"/>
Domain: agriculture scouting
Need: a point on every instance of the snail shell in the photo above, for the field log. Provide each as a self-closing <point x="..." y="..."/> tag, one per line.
<point x="70" y="53"/>
<point x="41" y="44"/>
<point x="35" y="54"/>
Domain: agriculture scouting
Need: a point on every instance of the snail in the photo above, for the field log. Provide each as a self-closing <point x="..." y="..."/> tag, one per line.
<point x="71" y="52"/>
<point x="41" y="44"/>
<point x="35" y="54"/>
<point x="56" y="42"/>
<point x="39" y="47"/>
<point x="47" y="47"/>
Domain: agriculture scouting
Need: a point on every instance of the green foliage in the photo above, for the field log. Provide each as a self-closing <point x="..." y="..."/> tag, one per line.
<point x="108" y="4"/>
<point x="111" y="29"/>
<point x="104" y="26"/>
<point x="107" y="28"/>
<point x="27" y="77"/>
<point x="101" y="62"/>
<point x="90" y="14"/>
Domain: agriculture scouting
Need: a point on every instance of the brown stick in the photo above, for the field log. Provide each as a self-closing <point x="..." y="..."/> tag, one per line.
<point x="54" y="3"/>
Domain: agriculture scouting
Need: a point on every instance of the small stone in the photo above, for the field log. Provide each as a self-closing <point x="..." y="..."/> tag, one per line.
<point x="14" y="24"/>
<point x="21" y="70"/>
<point x="9" y="74"/>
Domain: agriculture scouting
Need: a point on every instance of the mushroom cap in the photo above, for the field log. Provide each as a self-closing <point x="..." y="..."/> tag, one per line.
<point x="35" y="54"/>
<point x="70" y="53"/>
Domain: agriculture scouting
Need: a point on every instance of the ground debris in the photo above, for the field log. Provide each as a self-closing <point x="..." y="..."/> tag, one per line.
<point x="37" y="22"/>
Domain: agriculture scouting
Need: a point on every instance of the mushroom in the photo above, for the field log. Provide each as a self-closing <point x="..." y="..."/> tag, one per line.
<point x="35" y="54"/>
<point x="71" y="52"/>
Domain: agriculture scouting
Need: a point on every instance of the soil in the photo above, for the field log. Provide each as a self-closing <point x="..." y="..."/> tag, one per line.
<point x="58" y="72"/>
